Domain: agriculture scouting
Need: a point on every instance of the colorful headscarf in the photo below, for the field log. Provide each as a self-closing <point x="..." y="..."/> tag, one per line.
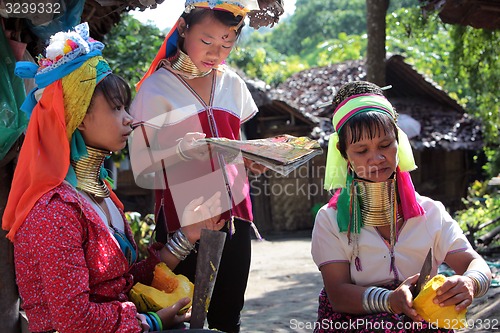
<point x="336" y="174"/>
<point x="169" y="46"/>
<point x="67" y="78"/>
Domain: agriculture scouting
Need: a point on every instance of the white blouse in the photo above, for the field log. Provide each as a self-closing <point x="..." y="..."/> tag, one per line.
<point x="435" y="229"/>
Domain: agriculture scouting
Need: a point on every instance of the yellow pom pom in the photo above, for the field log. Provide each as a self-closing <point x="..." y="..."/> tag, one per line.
<point x="442" y="317"/>
<point x="66" y="49"/>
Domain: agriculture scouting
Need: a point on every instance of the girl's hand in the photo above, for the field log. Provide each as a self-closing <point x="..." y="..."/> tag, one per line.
<point x="170" y="317"/>
<point x="202" y="215"/>
<point x="190" y="150"/>
<point x="401" y="299"/>
<point x="457" y="290"/>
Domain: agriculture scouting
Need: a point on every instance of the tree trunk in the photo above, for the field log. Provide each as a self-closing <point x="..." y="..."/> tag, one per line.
<point x="376" y="11"/>
<point x="9" y="298"/>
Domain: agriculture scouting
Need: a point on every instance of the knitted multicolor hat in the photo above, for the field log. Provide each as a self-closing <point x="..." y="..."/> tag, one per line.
<point x="66" y="78"/>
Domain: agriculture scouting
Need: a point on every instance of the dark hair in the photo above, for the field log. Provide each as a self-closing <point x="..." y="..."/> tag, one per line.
<point x="115" y="90"/>
<point x="355" y="88"/>
<point x="366" y="124"/>
<point x="196" y="15"/>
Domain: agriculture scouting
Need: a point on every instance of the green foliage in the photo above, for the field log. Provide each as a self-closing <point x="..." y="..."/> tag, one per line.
<point x="275" y="73"/>
<point x="462" y="60"/>
<point x="142" y="230"/>
<point x="265" y="64"/>
<point x="482" y="205"/>
<point x="492" y="168"/>
<point x="345" y="47"/>
<point x="395" y="5"/>
<point x="425" y="43"/>
<point x="315" y="21"/>
<point x="475" y="58"/>
<point x="130" y="48"/>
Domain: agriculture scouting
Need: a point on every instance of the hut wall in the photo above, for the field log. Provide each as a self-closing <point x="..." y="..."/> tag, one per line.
<point x="289" y="203"/>
<point x="445" y="175"/>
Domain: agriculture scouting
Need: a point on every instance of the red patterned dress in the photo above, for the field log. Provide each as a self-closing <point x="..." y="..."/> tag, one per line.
<point x="71" y="273"/>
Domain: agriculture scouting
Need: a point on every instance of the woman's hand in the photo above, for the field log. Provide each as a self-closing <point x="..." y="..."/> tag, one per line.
<point x="457" y="290"/>
<point x="202" y="215"/>
<point x="401" y="299"/>
<point x="189" y="150"/>
<point x="170" y="316"/>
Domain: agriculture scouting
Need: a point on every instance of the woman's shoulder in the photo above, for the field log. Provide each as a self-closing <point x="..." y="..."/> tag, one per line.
<point x="326" y="218"/>
<point x="429" y="204"/>
<point x="228" y="73"/>
<point x="62" y="200"/>
<point x="159" y="80"/>
<point x="64" y="192"/>
<point x="159" y="76"/>
<point x="59" y="203"/>
<point x="327" y="208"/>
<point x="435" y="215"/>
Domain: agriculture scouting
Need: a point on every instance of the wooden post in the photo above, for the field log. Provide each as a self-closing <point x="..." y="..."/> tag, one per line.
<point x="207" y="266"/>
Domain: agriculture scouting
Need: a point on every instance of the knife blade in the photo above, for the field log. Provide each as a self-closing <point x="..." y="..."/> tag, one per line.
<point x="424" y="274"/>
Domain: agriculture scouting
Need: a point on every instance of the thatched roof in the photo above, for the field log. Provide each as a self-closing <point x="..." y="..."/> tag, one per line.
<point x="444" y="123"/>
<point x="308" y="89"/>
<point x="484" y="14"/>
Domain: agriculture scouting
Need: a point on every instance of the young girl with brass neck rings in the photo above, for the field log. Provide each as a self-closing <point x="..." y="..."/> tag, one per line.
<point x="74" y="252"/>
<point x="189" y="86"/>
<point x="371" y="239"/>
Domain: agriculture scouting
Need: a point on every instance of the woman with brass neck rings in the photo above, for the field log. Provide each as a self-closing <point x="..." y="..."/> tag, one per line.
<point x="74" y="252"/>
<point x="371" y="239"/>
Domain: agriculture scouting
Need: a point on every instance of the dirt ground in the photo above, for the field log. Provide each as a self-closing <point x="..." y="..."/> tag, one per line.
<point x="284" y="283"/>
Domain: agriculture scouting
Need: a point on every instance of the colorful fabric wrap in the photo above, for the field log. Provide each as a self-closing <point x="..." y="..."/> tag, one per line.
<point x="169" y="46"/>
<point x="337" y="174"/>
<point x="68" y="81"/>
